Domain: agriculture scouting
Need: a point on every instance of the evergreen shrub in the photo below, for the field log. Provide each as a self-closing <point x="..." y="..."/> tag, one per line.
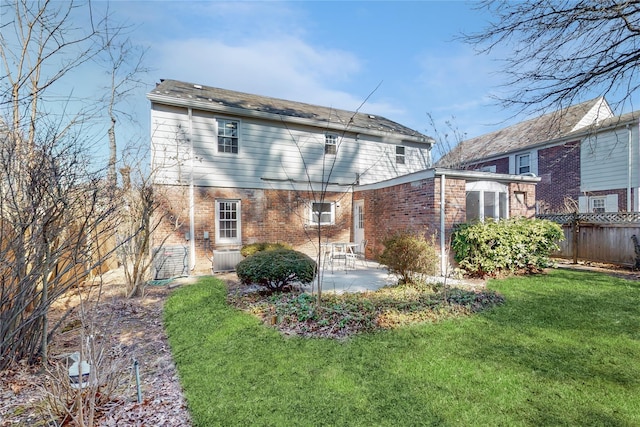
<point x="518" y="245"/>
<point x="276" y="269"/>
<point x="250" y="249"/>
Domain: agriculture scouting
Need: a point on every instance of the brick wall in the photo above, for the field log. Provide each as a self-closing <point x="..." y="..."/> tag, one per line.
<point x="522" y="200"/>
<point x="413" y="206"/>
<point x="502" y="165"/>
<point x="559" y="170"/>
<point x="622" y="197"/>
<point x="266" y="216"/>
<point x="281" y="216"/>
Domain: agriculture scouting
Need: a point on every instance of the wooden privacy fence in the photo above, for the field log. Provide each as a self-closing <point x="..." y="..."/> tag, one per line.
<point x="599" y="237"/>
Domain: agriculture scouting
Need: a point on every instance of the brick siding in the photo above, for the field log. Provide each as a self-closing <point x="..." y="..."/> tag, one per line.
<point x="559" y="170"/>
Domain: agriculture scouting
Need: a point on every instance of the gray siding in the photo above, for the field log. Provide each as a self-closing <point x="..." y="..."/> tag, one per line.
<point x="270" y="154"/>
<point x="604" y="160"/>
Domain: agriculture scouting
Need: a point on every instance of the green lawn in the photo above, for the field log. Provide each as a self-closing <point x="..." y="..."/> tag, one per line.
<point x="563" y="350"/>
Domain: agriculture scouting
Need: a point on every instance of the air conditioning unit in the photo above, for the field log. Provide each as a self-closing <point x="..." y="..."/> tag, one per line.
<point x="170" y="261"/>
<point x="225" y="260"/>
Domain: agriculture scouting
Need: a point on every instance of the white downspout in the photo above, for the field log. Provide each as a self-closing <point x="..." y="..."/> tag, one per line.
<point x="192" y="215"/>
<point x="629" y="169"/>
<point x="443" y="255"/>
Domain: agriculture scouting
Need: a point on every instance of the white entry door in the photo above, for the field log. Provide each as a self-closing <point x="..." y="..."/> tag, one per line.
<point x="358" y="221"/>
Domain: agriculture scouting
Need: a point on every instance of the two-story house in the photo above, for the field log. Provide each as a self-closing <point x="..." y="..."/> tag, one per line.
<point x="237" y="168"/>
<point x="586" y="157"/>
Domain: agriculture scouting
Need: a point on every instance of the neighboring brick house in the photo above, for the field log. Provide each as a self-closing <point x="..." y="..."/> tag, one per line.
<point x="236" y="168"/>
<point x="584" y="155"/>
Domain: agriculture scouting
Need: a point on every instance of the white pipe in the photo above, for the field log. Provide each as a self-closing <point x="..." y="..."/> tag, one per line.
<point x="630" y="165"/>
<point x="443" y="259"/>
<point x="192" y="207"/>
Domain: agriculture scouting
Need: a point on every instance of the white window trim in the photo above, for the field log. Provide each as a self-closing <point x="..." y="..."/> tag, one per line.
<point x="332" y="221"/>
<point x="226" y="240"/>
<point x="331" y="139"/>
<point x="225" y="153"/>
<point x="490" y="168"/>
<point x="483" y="187"/>
<point x="520" y="156"/>
<point x="402" y="156"/>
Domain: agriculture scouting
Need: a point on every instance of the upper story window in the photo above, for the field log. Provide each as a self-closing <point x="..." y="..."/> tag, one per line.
<point x="523" y="164"/>
<point x="228" y="136"/>
<point x="330" y="144"/>
<point x="323" y="213"/>
<point x="488" y="168"/>
<point x="399" y="155"/>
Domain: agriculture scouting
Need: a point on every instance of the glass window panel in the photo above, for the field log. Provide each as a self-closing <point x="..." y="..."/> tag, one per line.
<point x="473" y="206"/>
<point x="489" y="204"/>
<point x="503" y="205"/>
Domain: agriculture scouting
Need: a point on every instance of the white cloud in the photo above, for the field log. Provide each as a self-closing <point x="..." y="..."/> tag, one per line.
<point x="282" y="66"/>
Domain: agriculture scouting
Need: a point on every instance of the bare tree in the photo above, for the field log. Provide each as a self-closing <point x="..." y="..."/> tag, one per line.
<point x="125" y="67"/>
<point x="321" y="191"/>
<point x="54" y="215"/>
<point x="446" y="141"/>
<point x="562" y="51"/>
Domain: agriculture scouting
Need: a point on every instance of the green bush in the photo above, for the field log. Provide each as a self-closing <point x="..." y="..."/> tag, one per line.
<point x="248" y="250"/>
<point x="410" y="255"/>
<point x="276" y="268"/>
<point x="515" y="245"/>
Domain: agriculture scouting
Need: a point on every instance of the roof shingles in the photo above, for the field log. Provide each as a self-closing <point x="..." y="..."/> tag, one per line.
<point x="245" y="101"/>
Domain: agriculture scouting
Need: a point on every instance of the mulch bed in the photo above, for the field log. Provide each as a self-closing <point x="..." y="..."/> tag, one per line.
<point x="134" y="328"/>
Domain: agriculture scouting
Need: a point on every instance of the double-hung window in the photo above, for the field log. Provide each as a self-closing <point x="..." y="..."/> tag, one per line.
<point x="598" y="204"/>
<point x="228" y="131"/>
<point x="523" y="164"/>
<point x="330" y="144"/>
<point x="322" y="213"/>
<point x="400" y="155"/>
<point x="228" y="222"/>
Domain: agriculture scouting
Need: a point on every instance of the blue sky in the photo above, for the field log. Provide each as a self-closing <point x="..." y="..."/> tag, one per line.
<point x="323" y="52"/>
<point x="329" y="53"/>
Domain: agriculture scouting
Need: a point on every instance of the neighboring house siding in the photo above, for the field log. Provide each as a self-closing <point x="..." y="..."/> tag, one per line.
<point x="501" y="165"/>
<point x="605" y="161"/>
<point x="559" y="170"/>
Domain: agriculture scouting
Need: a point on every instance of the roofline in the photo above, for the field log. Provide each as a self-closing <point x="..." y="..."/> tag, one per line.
<point x="452" y="173"/>
<point x="178" y="102"/>
<point x="571" y="136"/>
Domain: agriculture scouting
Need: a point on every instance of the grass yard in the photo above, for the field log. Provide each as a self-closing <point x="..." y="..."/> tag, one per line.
<point x="563" y="350"/>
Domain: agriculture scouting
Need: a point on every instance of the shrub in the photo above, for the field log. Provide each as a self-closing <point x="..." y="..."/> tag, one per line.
<point x="248" y="250"/>
<point x="276" y="268"/>
<point x="515" y="245"/>
<point x="410" y="255"/>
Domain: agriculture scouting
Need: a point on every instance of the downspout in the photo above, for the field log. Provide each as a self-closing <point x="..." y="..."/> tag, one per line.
<point x="629" y="171"/>
<point x="192" y="215"/>
<point x="443" y="259"/>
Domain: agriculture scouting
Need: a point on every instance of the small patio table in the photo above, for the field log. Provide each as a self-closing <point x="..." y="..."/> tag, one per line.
<point x="333" y="251"/>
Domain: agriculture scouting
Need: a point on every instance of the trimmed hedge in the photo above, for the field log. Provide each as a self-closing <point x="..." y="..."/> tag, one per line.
<point x="514" y="245"/>
<point x="248" y="250"/>
<point x="276" y="269"/>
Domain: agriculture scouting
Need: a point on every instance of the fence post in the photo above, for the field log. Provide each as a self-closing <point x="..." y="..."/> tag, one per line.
<point x="575" y="230"/>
